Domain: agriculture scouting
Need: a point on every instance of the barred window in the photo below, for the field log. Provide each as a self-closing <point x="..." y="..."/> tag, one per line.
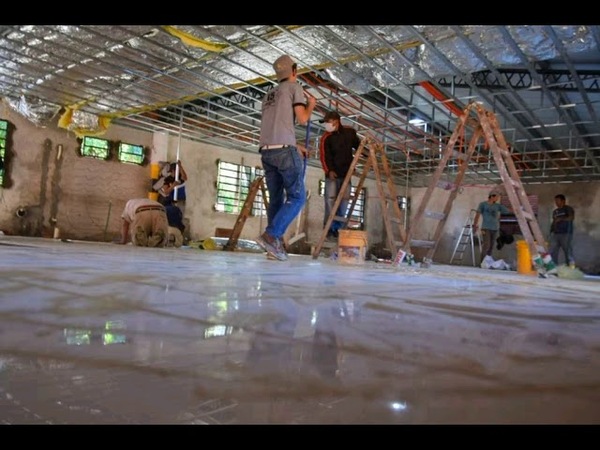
<point x="357" y="219"/>
<point x="3" y="139"/>
<point x="95" y="147"/>
<point x="130" y="153"/>
<point x="233" y="185"/>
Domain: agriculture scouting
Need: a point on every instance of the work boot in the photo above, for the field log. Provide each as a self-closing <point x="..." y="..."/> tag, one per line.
<point x="158" y="239"/>
<point x="140" y="239"/>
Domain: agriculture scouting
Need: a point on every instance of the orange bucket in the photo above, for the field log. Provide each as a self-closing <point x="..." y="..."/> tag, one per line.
<point x="352" y="246"/>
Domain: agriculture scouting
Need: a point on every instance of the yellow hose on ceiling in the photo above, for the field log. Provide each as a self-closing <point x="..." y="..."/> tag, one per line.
<point x="193" y="41"/>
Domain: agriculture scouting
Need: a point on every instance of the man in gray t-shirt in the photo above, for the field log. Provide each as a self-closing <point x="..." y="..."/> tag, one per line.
<point x="280" y="156"/>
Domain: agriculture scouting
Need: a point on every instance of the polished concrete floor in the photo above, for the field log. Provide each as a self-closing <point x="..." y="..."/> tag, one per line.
<point x="94" y="333"/>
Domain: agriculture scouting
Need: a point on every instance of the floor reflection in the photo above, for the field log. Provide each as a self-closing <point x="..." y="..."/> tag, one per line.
<point x="104" y="334"/>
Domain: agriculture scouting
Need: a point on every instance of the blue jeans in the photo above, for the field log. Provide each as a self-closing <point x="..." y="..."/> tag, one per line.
<point x="562" y="242"/>
<point x="284" y="174"/>
<point x="332" y="187"/>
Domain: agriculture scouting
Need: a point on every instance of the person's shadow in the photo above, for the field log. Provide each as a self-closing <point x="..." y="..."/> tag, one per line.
<point x="272" y="341"/>
<point x="325" y="345"/>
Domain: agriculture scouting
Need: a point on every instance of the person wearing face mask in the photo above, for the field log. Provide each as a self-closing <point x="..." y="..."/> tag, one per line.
<point x="337" y="147"/>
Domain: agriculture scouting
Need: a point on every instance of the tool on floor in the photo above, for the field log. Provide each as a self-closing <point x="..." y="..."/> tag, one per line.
<point x="257" y="184"/>
<point x="485" y="127"/>
<point x="370" y="155"/>
<point x="466" y="240"/>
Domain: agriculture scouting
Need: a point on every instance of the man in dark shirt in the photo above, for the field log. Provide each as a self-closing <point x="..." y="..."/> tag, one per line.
<point x="561" y="231"/>
<point x="336" y="152"/>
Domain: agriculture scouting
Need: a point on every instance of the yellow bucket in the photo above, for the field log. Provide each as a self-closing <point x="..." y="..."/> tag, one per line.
<point x="352" y="246"/>
<point x="524" y="263"/>
<point x="153" y="196"/>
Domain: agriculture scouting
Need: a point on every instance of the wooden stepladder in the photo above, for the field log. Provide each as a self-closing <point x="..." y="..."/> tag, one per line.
<point x="257" y="184"/>
<point x="370" y="155"/>
<point x="485" y="128"/>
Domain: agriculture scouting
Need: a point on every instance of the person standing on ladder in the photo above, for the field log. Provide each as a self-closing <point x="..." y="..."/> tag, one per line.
<point x="280" y="156"/>
<point x="337" y="148"/>
<point x="490" y="212"/>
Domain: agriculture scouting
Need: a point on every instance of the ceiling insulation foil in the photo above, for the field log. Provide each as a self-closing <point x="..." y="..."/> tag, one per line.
<point x="217" y="74"/>
<point x="35" y="111"/>
<point x="112" y="69"/>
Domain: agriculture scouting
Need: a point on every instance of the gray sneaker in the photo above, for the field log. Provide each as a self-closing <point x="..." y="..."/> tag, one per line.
<point x="272" y="246"/>
<point x="282" y="255"/>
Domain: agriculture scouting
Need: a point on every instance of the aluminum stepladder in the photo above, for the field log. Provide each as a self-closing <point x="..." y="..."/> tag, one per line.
<point x="486" y="128"/>
<point x="467" y="240"/>
<point x="257" y="184"/>
<point x="370" y="155"/>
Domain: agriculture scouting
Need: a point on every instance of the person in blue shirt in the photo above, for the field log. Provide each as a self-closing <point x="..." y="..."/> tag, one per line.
<point x="490" y="212"/>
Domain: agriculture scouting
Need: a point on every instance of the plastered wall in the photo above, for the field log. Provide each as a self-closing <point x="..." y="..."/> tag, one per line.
<point x="50" y="180"/>
<point x="583" y="197"/>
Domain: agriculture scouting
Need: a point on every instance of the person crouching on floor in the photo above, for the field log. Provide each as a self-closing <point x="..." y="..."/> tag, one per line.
<point x="145" y="222"/>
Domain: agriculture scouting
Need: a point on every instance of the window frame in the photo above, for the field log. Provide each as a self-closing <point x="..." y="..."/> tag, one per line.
<point x="141" y="156"/>
<point x="231" y="201"/>
<point x="357" y="220"/>
<point x="5" y="130"/>
<point x="91" y="154"/>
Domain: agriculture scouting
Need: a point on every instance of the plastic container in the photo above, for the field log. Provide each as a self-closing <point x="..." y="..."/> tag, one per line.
<point x="524" y="262"/>
<point x="352" y="246"/>
<point x="155" y="171"/>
